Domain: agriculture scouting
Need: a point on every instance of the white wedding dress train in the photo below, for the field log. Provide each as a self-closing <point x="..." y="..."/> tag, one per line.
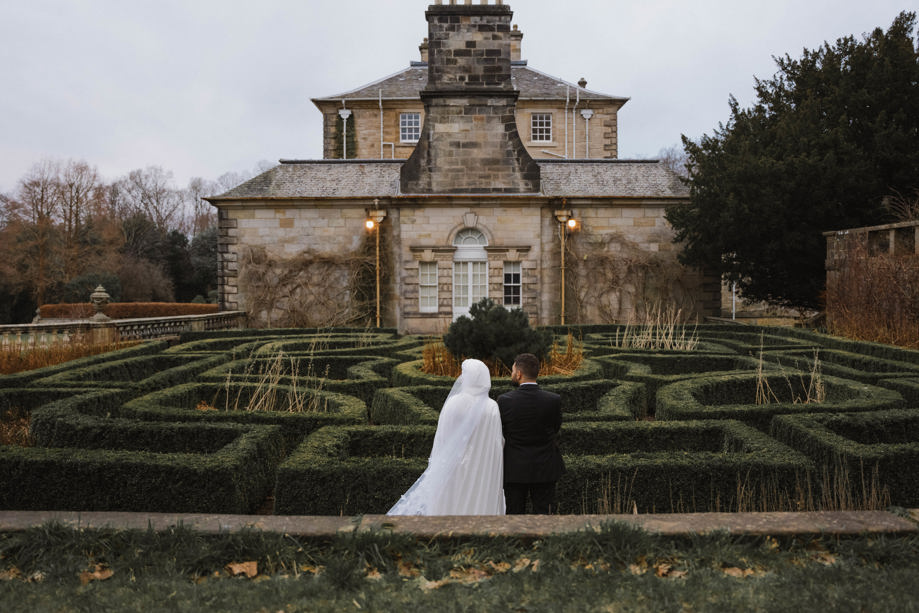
<point x="465" y="473"/>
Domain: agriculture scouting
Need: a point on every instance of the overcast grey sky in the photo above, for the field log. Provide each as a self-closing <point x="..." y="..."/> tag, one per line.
<point x="202" y="87"/>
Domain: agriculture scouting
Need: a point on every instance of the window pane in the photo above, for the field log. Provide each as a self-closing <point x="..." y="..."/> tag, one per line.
<point x="512" y="283"/>
<point x="427" y="287"/>
<point x="461" y="284"/>
<point x="541" y="127"/>
<point x="479" y="281"/>
<point x="409" y="127"/>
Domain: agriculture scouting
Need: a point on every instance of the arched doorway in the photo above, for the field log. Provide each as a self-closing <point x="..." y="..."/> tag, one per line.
<point x="470" y="270"/>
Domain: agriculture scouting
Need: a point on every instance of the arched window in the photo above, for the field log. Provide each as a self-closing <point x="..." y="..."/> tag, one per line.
<point x="470" y="270"/>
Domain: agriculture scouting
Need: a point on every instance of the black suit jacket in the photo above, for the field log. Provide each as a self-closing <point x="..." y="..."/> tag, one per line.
<point x="531" y="419"/>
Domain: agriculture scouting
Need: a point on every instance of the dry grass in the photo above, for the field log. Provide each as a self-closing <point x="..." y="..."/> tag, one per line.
<point x="875" y="297"/>
<point x="812" y="384"/>
<point x="437" y="360"/>
<point x="278" y="372"/>
<point x="14" y="429"/>
<point x="658" y="328"/>
<point x="832" y="489"/>
<point x="30" y="355"/>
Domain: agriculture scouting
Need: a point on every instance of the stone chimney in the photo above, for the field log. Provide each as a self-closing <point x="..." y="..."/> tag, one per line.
<point x="469" y="141"/>
<point x="423" y="49"/>
<point x="516" y="44"/>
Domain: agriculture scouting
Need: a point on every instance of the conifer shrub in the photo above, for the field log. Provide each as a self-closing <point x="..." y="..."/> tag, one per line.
<point x="495" y="335"/>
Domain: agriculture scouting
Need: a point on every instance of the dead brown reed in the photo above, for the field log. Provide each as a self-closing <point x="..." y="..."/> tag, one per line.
<point x="832" y="488"/>
<point x="437" y="360"/>
<point x="14" y="428"/>
<point x="812" y="384"/>
<point x="279" y="372"/>
<point x="874" y="296"/>
<point x="29" y="355"/>
<point x="658" y="327"/>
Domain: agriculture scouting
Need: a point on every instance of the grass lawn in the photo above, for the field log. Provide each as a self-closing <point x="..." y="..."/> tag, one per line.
<point x="618" y="568"/>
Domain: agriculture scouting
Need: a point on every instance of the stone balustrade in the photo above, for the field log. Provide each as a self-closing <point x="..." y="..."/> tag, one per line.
<point x="65" y="331"/>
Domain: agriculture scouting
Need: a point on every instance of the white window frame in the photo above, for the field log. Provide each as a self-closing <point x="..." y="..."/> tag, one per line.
<point x="409" y="127"/>
<point x="541" y="127"/>
<point x="470" y="270"/>
<point x="513" y="270"/>
<point x="427" y="287"/>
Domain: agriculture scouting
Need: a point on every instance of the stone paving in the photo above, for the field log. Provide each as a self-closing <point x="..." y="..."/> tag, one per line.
<point x="524" y="526"/>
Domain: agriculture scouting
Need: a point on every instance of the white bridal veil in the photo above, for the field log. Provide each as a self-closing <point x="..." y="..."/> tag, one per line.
<point x="465" y="473"/>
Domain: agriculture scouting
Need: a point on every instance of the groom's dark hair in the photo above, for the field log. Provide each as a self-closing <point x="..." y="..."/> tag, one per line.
<point x="528" y="365"/>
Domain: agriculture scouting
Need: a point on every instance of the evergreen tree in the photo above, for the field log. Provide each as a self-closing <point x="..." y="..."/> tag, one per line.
<point x="829" y="137"/>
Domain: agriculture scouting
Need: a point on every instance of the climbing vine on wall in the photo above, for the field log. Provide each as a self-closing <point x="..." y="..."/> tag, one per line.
<point x="313" y="289"/>
<point x="609" y="278"/>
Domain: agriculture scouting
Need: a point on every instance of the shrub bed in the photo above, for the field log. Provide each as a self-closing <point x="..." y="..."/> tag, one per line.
<point x="872" y="450"/>
<point x="668" y="466"/>
<point x="233" y="479"/>
<point x="333" y="472"/>
<point x="125" y="310"/>
<point x="222" y="403"/>
<point x="734" y="397"/>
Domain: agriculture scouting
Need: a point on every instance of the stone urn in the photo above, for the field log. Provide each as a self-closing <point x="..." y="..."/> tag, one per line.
<point x="99" y="298"/>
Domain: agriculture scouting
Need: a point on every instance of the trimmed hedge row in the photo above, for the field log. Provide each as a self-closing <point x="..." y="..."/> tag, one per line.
<point x="364" y="469"/>
<point x="848" y="365"/>
<point x="667" y="467"/>
<point x="410" y="374"/>
<point x="879" y="446"/>
<point x="598" y="400"/>
<point x="125" y="310"/>
<point x="181" y="402"/>
<point x="332" y="474"/>
<point x="144" y="372"/>
<point x="84" y="421"/>
<point x="234" y="479"/>
<point x="354" y="375"/>
<point x="655" y="370"/>
<point x="733" y="397"/>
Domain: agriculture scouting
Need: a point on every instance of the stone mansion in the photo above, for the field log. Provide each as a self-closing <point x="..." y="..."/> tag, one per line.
<point x="467" y="175"/>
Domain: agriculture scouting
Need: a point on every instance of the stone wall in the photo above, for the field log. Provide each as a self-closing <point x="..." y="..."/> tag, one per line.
<point x="620" y="260"/>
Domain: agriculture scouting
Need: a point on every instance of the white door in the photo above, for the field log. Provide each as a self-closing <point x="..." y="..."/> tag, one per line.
<point x="470" y="270"/>
<point x="470" y="284"/>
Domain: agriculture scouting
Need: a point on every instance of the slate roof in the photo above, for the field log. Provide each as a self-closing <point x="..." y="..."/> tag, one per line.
<point x="532" y="85"/>
<point x="319" y="179"/>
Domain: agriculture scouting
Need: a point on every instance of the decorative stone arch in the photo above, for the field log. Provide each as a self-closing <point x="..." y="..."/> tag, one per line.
<point x="470" y="221"/>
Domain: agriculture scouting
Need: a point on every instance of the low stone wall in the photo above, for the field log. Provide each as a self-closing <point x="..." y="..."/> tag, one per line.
<point x="64" y="331"/>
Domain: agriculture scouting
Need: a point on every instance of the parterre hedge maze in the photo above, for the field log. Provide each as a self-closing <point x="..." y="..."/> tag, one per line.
<point x="313" y="422"/>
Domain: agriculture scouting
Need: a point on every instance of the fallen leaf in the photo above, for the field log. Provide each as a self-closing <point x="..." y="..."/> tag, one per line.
<point x="9" y="575"/>
<point x="501" y="567"/>
<point x="36" y="577"/>
<point x="677" y="574"/>
<point x="469" y="575"/>
<point x="203" y="405"/>
<point x="635" y="569"/>
<point x="733" y="571"/>
<point x="662" y="569"/>
<point x="427" y="586"/>
<point x="249" y="569"/>
<point x="824" y="557"/>
<point x="407" y="569"/>
<point x="521" y="564"/>
<point x="99" y="574"/>
<point x="373" y="575"/>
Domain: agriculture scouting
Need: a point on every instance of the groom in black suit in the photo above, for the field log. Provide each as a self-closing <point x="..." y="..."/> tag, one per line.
<point x="531" y="419"/>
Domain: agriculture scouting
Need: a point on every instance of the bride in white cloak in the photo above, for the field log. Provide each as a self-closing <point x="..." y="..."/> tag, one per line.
<point x="465" y="473"/>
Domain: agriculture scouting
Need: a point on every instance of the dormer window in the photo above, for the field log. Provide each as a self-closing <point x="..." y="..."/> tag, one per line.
<point x="409" y="127"/>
